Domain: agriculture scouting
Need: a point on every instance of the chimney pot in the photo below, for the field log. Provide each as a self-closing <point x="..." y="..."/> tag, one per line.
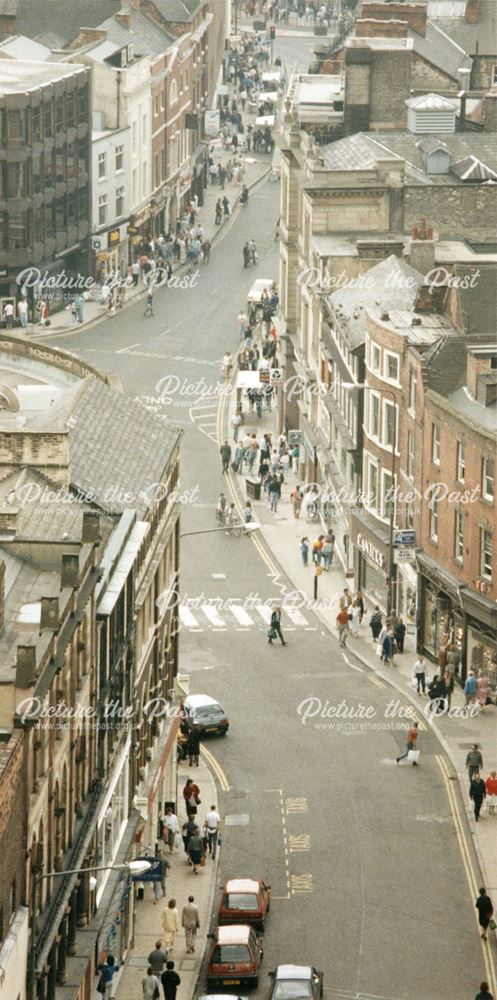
<point x="70" y="570"/>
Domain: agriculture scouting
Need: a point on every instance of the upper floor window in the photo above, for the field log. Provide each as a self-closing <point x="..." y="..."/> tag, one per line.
<point x="119" y="158"/>
<point x="391" y="367"/>
<point x="102" y="210"/>
<point x="119" y="201"/>
<point x="433" y="512"/>
<point x="373" y="486"/>
<point x="487" y="477"/>
<point x="375" y="358"/>
<point x="486" y="553"/>
<point x="461" y="461"/>
<point x="374" y="415"/>
<point x="458" y="536"/>
<point x="102" y="166"/>
<point x="173" y="92"/>
<point x="389" y="426"/>
<point x="435" y="444"/>
<point x="412" y="392"/>
<point x="410" y="463"/>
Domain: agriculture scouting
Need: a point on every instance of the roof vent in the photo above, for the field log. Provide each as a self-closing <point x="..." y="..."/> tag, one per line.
<point x="430" y="113"/>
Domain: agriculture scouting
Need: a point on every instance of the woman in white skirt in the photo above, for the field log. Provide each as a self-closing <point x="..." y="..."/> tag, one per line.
<point x="355" y="622"/>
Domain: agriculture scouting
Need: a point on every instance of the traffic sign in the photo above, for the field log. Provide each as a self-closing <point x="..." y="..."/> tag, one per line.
<point x="404" y="538"/>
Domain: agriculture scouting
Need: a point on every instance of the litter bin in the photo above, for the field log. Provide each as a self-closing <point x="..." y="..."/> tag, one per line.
<point x="253" y="488"/>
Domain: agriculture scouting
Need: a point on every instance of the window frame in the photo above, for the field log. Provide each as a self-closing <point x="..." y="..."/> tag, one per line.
<point x="390" y="355"/>
<point x="102" y="204"/>
<point x="433" y="519"/>
<point x="489" y="497"/>
<point x="459" y="536"/>
<point x="484" y="533"/>
<point x="102" y="162"/>
<point x="461" y="461"/>
<point x="435" y="440"/>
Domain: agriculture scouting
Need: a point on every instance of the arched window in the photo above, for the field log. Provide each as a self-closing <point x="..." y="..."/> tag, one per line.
<point x="173" y="92"/>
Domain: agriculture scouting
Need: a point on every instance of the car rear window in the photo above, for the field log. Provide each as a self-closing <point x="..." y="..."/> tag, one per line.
<point x="242" y="901"/>
<point x="291" y="989"/>
<point x="206" y="712"/>
<point x="230" y="954"/>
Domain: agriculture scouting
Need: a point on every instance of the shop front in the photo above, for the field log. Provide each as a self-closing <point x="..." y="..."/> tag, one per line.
<point x="407" y="586"/>
<point x="441" y="621"/>
<point x="369" y="558"/>
<point x="111" y="252"/>
<point x="184" y="185"/>
<point x="481" y="635"/>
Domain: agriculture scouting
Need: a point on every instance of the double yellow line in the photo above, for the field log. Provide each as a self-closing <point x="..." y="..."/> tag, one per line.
<point x="466" y="860"/>
<point x="216" y="767"/>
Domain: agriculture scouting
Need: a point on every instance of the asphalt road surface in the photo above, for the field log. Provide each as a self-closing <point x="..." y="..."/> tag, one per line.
<point x="362" y="855"/>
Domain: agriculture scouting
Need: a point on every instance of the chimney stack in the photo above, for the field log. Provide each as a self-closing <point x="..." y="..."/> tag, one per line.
<point x="70" y="570"/>
<point x="421" y="248"/>
<point x="25" y="666"/>
<point x="49" y="617"/>
<point x="490" y="111"/>
<point x="91" y="528"/>
<point x="472" y="11"/>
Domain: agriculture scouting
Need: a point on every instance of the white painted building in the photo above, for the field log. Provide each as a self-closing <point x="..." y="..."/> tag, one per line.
<point x="14" y="957"/>
<point x="111" y="195"/>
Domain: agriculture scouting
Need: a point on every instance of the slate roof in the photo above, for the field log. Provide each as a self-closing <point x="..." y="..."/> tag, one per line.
<point x="375" y="292"/>
<point x="64" y="17"/>
<point x="467" y="35"/>
<point x="430" y="102"/>
<point x="483" y="416"/>
<point x="177" y="11"/>
<point x="362" y="150"/>
<point x="471" y="168"/>
<point x="479" y="304"/>
<point x="440" y="50"/>
<point x="146" y="35"/>
<point x="446" y="365"/>
<point x="116" y="444"/>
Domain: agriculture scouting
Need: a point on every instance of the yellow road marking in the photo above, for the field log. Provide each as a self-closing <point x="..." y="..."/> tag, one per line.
<point x="466" y="859"/>
<point x="216" y="767"/>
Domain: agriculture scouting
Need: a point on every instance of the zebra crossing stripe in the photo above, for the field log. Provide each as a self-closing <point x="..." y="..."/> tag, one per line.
<point x="240" y="615"/>
<point x="295" y="616"/>
<point x="186" y="617"/>
<point x="264" y="612"/>
<point x="210" y="612"/>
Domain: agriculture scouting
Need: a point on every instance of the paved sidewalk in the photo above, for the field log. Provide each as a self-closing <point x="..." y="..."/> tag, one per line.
<point x="180" y="883"/>
<point x="282" y="532"/>
<point x="257" y="166"/>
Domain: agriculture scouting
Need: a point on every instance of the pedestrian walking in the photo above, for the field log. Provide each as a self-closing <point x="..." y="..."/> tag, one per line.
<point x="485" y="909"/>
<point x="399" y="633"/>
<point x="190" y="921"/>
<point x="491" y="790"/>
<point x="187" y="831"/>
<point x="347" y="596"/>
<point x="206" y="251"/>
<point x="275" y="628"/>
<point x="304" y="551"/>
<point x="170" y="923"/>
<point x="448" y="680"/>
<point x="474" y="761"/>
<point x="470" y="688"/>
<point x="274" y="493"/>
<point x="235" y="425"/>
<point x="218" y="216"/>
<point x="170" y="981"/>
<point x="342" y="623"/>
<point x="170" y="829"/>
<point x="193" y="746"/>
<point x="191" y="795"/>
<point x="482" y="689"/>
<point x="375" y="623"/>
<point x="317" y="549"/>
<point x="436" y="694"/>
<point x="149" y="307"/>
<point x="477" y="792"/>
<point x="23" y="313"/>
<point x="212" y="827"/>
<point x="328" y="550"/>
<point x="226" y="206"/>
<point x="355" y="621"/>
<point x="248" y="514"/>
<point x="225" y="452"/>
<point x="107" y="970"/>
<point x="420" y="675"/>
<point x="296" y="497"/>
<point x="359" y="598"/>
<point x="157" y="958"/>
<point x="387" y="646"/>
<point x="150" y="985"/>
<point x="411" y="743"/>
<point x="484" y="993"/>
<point x="195" y="849"/>
<point x="159" y="887"/>
<point x="9" y="315"/>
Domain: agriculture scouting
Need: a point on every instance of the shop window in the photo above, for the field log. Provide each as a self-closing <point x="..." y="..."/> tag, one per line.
<point x="488" y="478"/>
<point x="461" y="462"/>
<point x="486" y="553"/>
<point x="435" y="444"/>
<point x="433" y="511"/>
<point x="458" y="536"/>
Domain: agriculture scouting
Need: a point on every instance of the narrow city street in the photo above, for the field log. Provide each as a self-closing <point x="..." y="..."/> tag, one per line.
<point x="351" y="843"/>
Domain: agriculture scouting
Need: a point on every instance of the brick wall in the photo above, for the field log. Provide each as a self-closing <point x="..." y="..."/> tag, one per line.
<point x="427" y="78"/>
<point x="413" y="13"/>
<point x="371" y="28"/>
<point x="387" y="100"/>
<point x="12" y="824"/>
<point x="476" y="512"/>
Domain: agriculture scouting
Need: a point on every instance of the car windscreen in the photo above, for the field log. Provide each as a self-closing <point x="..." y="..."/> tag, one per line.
<point x="291" y="989"/>
<point x="242" y="901"/>
<point x="206" y="711"/>
<point x="231" y="954"/>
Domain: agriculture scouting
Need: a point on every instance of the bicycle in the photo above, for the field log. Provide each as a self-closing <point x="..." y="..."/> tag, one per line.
<point x="220" y="517"/>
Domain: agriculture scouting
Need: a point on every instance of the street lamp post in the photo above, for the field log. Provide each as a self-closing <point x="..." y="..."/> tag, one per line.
<point x="137" y="867"/>
<point x="391" y="394"/>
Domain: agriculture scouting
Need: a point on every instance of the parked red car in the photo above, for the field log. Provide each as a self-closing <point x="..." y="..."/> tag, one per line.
<point x="235" y="958"/>
<point x="245" y="901"/>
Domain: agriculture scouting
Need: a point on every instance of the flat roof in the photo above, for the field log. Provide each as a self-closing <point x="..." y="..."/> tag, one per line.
<point x="242" y="885"/>
<point x="20" y="76"/>
<point x="238" y="934"/>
